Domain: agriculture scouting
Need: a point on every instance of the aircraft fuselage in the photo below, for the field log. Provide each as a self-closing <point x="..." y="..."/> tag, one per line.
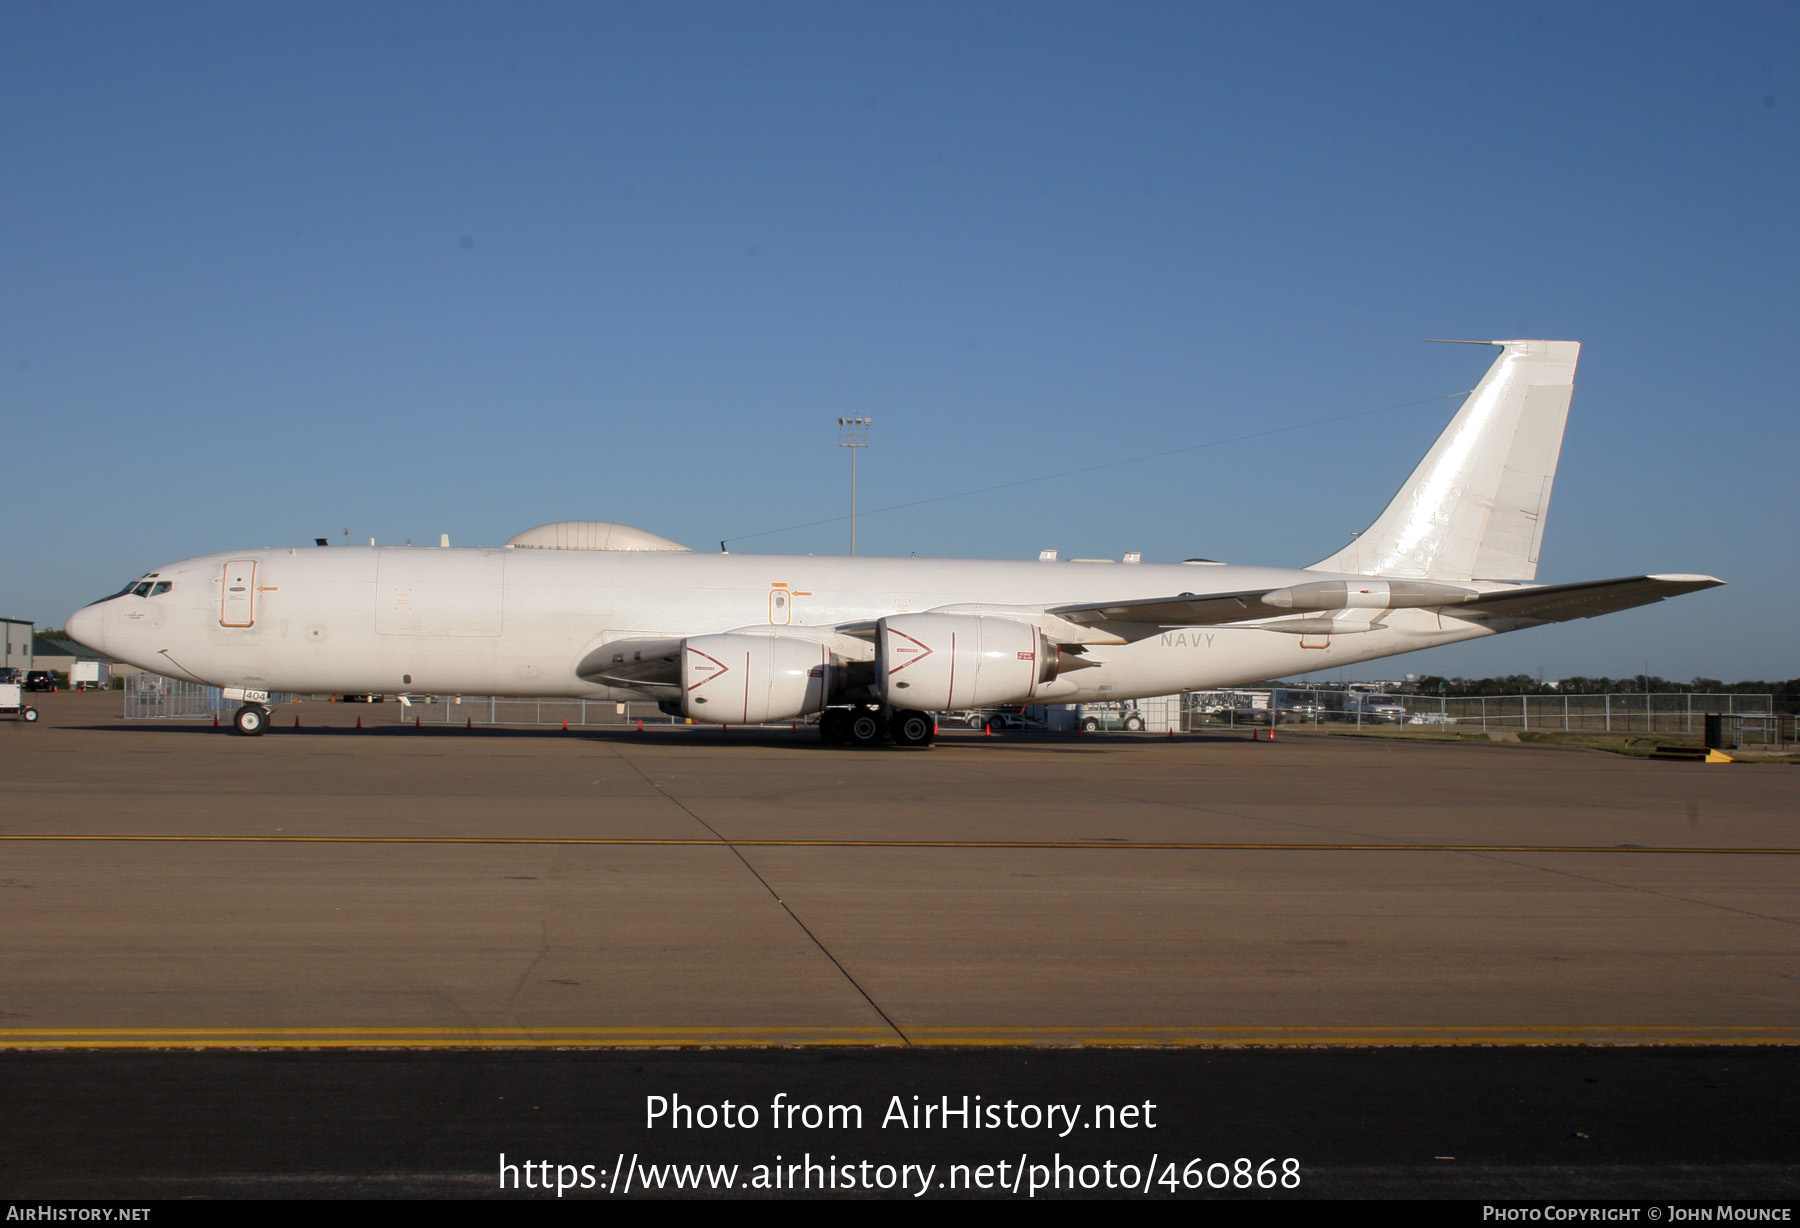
<point x="507" y="621"/>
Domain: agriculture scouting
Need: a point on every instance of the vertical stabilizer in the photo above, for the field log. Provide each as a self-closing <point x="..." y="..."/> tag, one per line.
<point x="1474" y="508"/>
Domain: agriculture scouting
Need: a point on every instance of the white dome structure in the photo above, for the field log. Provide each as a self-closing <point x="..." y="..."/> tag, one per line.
<point x="591" y="535"/>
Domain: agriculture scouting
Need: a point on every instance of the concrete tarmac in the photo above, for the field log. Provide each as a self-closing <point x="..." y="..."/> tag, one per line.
<point x="175" y="885"/>
<point x="331" y="962"/>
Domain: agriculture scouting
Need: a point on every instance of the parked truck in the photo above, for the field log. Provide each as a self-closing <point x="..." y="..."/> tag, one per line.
<point x="1366" y="706"/>
<point x="89" y="676"/>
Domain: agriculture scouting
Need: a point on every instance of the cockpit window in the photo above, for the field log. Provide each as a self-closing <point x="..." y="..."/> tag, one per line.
<point x="161" y="587"/>
<point x="141" y="589"/>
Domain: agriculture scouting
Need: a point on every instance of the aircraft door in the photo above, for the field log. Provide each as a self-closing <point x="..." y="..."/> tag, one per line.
<point x="237" y="599"/>
<point x="781" y="611"/>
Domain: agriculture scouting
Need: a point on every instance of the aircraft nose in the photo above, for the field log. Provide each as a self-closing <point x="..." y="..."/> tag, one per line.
<point x="87" y="626"/>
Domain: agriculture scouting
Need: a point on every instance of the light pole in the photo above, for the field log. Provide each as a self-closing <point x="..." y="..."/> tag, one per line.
<point x="853" y="433"/>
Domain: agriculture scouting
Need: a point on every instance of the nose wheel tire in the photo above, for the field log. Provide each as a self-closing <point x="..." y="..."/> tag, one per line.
<point x="909" y="728"/>
<point x="251" y="720"/>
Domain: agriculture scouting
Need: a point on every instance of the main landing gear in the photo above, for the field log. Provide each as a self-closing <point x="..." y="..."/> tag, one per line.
<point x="251" y="720"/>
<point x="868" y="726"/>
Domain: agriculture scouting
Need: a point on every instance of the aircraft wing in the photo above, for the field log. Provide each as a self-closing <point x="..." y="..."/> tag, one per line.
<point x="1555" y="603"/>
<point x="1546" y="603"/>
<point x="651" y="662"/>
<point x="1185" y="610"/>
<point x="640" y="662"/>
<point x="1210" y="609"/>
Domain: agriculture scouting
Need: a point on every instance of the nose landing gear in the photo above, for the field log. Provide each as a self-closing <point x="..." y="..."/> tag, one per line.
<point x="251" y="720"/>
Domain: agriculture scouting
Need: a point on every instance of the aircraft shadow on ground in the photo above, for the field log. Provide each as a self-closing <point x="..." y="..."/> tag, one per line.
<point x="804" y="735"/>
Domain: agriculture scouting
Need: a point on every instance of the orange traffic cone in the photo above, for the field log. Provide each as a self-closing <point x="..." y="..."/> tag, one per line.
<point x="215" y="720"/>
<point x="640" y="724"/>
<point x="359" y="722"/>
<point x="565" y="724"/>
<point x="1271" y="731"/>
<point x="416" y="724"/>
<point x="296" y="720"/>
<point x="1171" y="734"/>
<point x="469" y="723"/>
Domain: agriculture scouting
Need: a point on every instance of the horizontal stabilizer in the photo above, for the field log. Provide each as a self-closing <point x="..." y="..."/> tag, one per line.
<point x="1555" y="603"/>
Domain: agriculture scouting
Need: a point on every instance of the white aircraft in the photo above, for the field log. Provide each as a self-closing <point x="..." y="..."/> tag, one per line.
<point x="603" y="611"/>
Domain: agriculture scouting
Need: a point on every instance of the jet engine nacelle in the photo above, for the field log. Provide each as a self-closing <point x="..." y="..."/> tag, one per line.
<point x="937" y="662"/>
<point x="740" y="679"/>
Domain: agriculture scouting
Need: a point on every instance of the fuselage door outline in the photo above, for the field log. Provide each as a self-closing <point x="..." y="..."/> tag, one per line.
<point x="237" y="595"/>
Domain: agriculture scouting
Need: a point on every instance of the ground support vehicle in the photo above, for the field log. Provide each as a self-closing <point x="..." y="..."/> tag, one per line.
<point x="1110" y="716"/>
<point x="1009" y="717"/>
<point x="12" y="702"/>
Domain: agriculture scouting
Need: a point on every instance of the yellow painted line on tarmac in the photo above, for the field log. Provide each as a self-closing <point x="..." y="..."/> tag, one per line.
<point x="439" y="1038"/>
<point x="1091" y="1036"/>
<point x="700" y="842"/>
<point x="1369" y="1035"/>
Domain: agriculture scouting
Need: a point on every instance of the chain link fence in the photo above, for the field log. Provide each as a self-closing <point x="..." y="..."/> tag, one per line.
<point x="1627" y="713"/>
<point x="152" y="697"/>
<point x="501" y="710"/>
<point x="1753" y="716"/>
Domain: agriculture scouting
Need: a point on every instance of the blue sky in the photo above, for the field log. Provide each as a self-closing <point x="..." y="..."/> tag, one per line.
<point x="276" y="271"/>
